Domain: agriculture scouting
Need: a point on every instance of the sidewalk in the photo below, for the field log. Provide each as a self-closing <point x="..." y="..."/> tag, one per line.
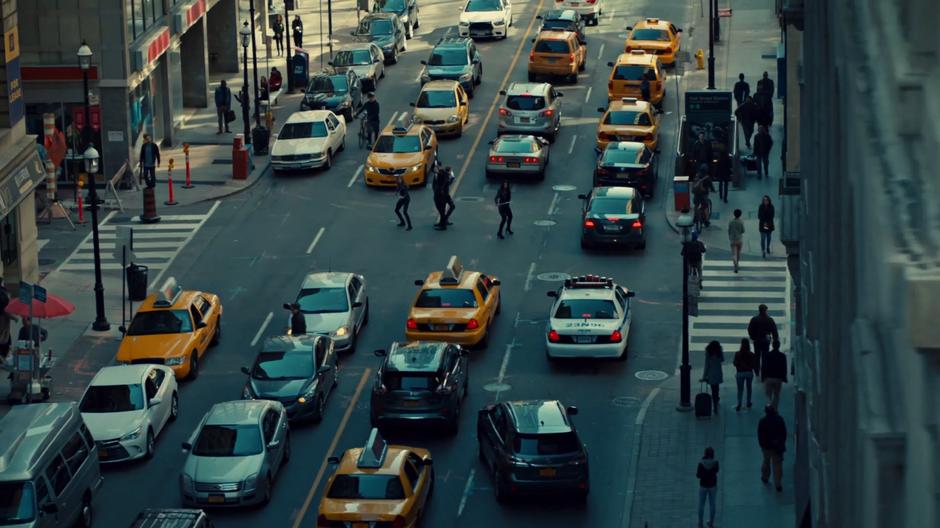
<point x="672" y="442"/>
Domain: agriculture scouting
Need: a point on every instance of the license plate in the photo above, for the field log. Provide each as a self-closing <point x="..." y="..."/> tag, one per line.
<point x="216" y="499"/>
<point x="512" y="164"/>
<point x="524" y="119"/>
<point x="575" y="4"/>
<point x="411" y="403"/>
<point x="614" y="227"/>
<point x="440" y="328"/>
<point x="548" y="472"/>
<point x="583" y="339"/>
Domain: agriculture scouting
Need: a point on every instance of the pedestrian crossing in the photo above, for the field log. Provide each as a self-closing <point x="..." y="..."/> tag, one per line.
<point x="155" y="245"/>
<point x="728" y="300"/>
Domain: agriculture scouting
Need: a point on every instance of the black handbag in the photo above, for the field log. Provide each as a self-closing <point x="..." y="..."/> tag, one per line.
<point x="229" y="116"/>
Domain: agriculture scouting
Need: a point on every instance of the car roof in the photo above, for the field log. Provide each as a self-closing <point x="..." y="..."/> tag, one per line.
<point x="394" y="460"/>
<point x="440" y="84"/>
<point x="466" y="280"/>
<point x="554" y="34"/>
<point x="412" y="129"/>
<point x="561" y="14"/>
<point x="453" y="42"/>
<point x="237" y="412"/>
<point x="380" y="14"/>
<point x="418" y="356"/>
<point x="538" y="416"/>
<point x="308" y="116"/>
<point x="290" y="343"/>
<point x="599" y="293"/>
<point x="27" y="431"/>
<point x="627" y="146"/>
<point x="367" y="46"/>
<point x="516" y="137"/>
<point x="615" y="192"/>
<point x="168" y="518"/>
<point x="528" y="88"/>
<point x="636" y="58"/>
<point x="637" y="104"/>
<point x="326" y="279"/>
<point x="181" y="302"/>
<point x="120" y="375"/>
<point x="652" y="23"/>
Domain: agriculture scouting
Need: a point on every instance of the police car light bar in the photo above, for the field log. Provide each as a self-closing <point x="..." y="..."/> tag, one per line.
<point x="589" y="281"/>
<point x="373" y="453"/>
<point x="168" y="293"/>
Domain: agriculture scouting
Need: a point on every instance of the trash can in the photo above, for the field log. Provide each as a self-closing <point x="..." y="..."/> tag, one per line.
<point x="259" y="140"/>
<point x="137" y="282"/>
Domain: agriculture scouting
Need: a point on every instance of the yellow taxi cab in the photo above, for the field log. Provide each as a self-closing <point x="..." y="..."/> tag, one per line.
<point x="377" y="485"/>
<point x="173" y="327"/>
<point x="402" y="152"/>
<point x="627" y="73"/>
<point x="454" y="305"/>
<point x="557" y="54"/>
<point x="628" y="119"/>
<point x="659" y="37"/>
<point x="443" y="106"/>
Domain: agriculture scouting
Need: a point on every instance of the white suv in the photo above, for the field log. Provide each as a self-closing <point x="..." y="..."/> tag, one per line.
<point x="485" y="18"/>
<point x="590" y="318"/>
<point x="590" y="10"/>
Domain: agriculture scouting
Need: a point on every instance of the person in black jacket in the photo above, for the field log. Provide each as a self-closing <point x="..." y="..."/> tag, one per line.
<point x="772" y="437"/>
<point x="278" y="28"/>
<point x="760" y="329"/>
<point x="707" y="474"/>
<point x="741" y="89"/>
<point x="762" y="145"/>
<point x="723" y="173"/>
<point x="747" y="114"/>
<point x="503" y="199"/>
<point x="297" y="29"/>
<point x="442" y="200"/>
<point x="28" y="332"/>
<point x="765" y="224"/>
<point x="401" y="206"/>
<point x="744" y="364"/>
<point x="298" y="324"/>
<point x="149" y="161"/>
<point x="766" y="85"/>
<point x="774" y="374"/>
<point x="701" y="152"/>
<point x="693" y="251"/>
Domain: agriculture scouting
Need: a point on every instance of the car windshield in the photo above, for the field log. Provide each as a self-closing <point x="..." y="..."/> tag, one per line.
<point x="448" y="57"/>
<point x="551" y="46"/>
<point x="437" y="99"/>
<point x="160" y="322"/>
<point x="650" y="34"/>
<point x="525" y="102"/>
<point x="112" y="398"/>
<point x="310" y="129"/>
<point x="632" y="72"/>
<point x="411" y="382"/>
<point x="446" y="298"/>
<point x="627" y="117"/>
<point x="391" y="6"/>
<point x="483" y="5"/>
<point x="16" y="502"/>
<point x="322" y="300"/>
<point x="283" y="366"/>
<point x="228" y="440"/>
<point x="616" y="155"/>
<point x="352" y="58"/>
<point x="585" y="309"/>
<point x="515" y="147"/>
<point x="388" y="144"/>
<point x="614" y="206"/>
<point x="333" y="84"/>
<point x="546" y="444"/>
<point x="373" y="487"/>
<point x="375" y="26"/>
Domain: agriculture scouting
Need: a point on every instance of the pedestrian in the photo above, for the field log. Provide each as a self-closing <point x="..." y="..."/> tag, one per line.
<point x="297" y="29"/>
<point x="762" y="145"/>
<point x="401" y="206"/>
<point x="693" y="251"/>
<point x="274" y="83"/>
<point x="707" y="474"/>
<point x="765" y="108"/>
<point x="772" y="437"/>
<point x="744" y="364"/>
<point x="371" y="108"/>
<point x="741" y="89"/>
<point x="264" y="92"/>
<point x="645" y="88"/>
<point x="503" y="199"/>
<point x="223" y="103"/>
<point x="766" y="85"/>
<point x="243" y="101"/>
<point x="712" y="373"/>
<point x="298" y="323"/>
<point x="278" y="29"/>
<point x="6" y="320"/>
<point x="774" y="374"/>
<point x="761" y="329"/>
<point x="747" y="115"/>
<point x="736" y="238"/>
<point x="765" y="222"/>
<point x="723" y="174"/>
<point x="442" y="199"/>
<point x="149" y="161"/>
<point x="701" y="152"/>
<point x="28" y="332"/>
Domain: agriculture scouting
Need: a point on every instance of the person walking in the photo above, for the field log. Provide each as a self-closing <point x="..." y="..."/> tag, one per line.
<point x="762" y="145"/>
<point x="736" y="238"/>
<point x="723" y="174"/>
<point x="747" y="115"/>
<point x="701" y="187"/>
<point x="744" y="364"/>
<point x="371" y="108"/>
<point x="765" y="222"/>
<point x="297" y="29"/>
<point x="278" y="28"/>
<point x="701" y="152"/>
<point x="772" y="437"/>
<point x="298" y="323"/>
<point x="401" y="206"/>
<point x="442" y="199"/>
<point x="693" y="251"/>
<point x="149" y="161"/>
<point x="774" y="374"/>
<point x="741" y="90"/>
<point x="707" y="475"/>
<point x="223" y="103"/>
<point x="243" y="101"/>
<point x="766" y="85"/>
<point x="712" y="373"/>
<point x="761" y="329"/>
<point x="503" y="199"/>
<point x="765" y="108"/>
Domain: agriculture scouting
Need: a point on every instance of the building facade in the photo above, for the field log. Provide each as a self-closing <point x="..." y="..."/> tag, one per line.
<point x="867" y="353"/>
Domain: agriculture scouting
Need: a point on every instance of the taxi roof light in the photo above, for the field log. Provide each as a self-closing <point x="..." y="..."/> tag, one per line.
<point x="452" y="272"/>
<point x="628" y="100"/>
<point x="399" y="131"/>
<point x="373" y="453"/>
<point x="652" y="21"/>
<point x="168" y="293"/>
<point x="637" y="52"/>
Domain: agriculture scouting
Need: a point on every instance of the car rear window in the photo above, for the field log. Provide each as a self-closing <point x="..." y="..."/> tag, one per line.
<point x="551" y="46"/>
<point x="585" y="309"/>
<point x="650" y="34"/>
<point x="160" y="322"/>
<point x="373" y="487"/>
<point x="614" y="206"/>
<point x="525" y="102"/>
<point x="616" y="155"/>
<point x="627" y="117"/>
<point x="633" y="72"/>
<point x="411" y="382"/>
<point x="558" y="24"/>
<point x="515" y="147"/>
<point x="353" y="58"/>
<point x="228" y="440"/>
<point x="446" y="298"/>
<point x="546" y="444"/>
<point x="437" y="99"/>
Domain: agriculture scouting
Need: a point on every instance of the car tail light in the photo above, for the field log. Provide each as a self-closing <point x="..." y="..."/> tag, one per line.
<point x="648" y="137"/>
<point x="616" y="337"/>
<point x="412" y="324"/>
<point x="547" y="113"/>
<point x="504" y="112"/>
<point x="472" y="324"/>
<point x="571" y="58"/>
<point x="553" y="336"/>
<point x="610" y="85"/>
<point x="589" y="224"/>
<point x="532" y="56"/>
<point x="637" y="224"/>
<point x="627" y="49"/>
<point x="530" y="160"/>
<point x="497" y="159"/>
<point x="592" y="2"/>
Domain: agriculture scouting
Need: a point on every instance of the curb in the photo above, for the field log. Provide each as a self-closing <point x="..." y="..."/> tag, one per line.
<point x="634" y="460"/>
<point x="264" y="171"/>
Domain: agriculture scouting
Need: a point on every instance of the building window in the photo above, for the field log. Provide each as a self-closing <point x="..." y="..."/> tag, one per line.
<point x="141" y="110"/>
<point x="142" y="15"/>
<point x="8" y="250"/>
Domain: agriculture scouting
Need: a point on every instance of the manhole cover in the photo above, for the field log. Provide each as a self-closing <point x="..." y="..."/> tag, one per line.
<point x="625" y="401"/>
<point x="651" y="375"/>
<point x="496" y="387"/>
<point x="563" y="188"/>
<point x="553" y="276"/>
<point x="469" y="199"/>
<point x="544" y="223"/>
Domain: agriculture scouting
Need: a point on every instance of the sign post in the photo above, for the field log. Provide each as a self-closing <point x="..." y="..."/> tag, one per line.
<point x="124" y="248"/>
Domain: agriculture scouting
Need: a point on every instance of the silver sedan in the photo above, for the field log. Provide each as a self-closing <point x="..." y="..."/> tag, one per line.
<point x="367" y="60"/>
<point x="518" y="154"/>
<point x="334" y="304"/>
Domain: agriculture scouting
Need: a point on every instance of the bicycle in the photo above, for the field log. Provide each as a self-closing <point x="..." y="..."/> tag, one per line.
<point x="703" y="214"/>
<point x="365" y="132"/>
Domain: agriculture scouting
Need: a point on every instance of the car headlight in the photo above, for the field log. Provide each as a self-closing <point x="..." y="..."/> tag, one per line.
<point x="174" y="361"/>
<point x="466" y="77"/>
<point x="132" y="435"/>
<point x="370" y="168"/>
<point x="453" y="119"/>
<point x="251" y="482"/>
<point x="186" y="482"/>
<point x="340" y="332"/>
<point x="246" y="393"/>
<point x="499" y="22"/>
<point x="416" y="168"/>
<point x="308" y="396"/>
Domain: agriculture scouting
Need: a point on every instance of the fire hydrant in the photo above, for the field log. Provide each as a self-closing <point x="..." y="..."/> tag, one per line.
<point x="700" y="59"/>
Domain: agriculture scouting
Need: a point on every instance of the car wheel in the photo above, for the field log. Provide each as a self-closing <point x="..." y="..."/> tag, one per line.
<point x="471" y="91"/>
<point x="149" y="446"/>
<point x="352" y="342"/>
<point x="348" y="115"/>
<point x="365" y="317"/>
<point x="217" y="336"/>
<point x="320" y="407"/>
<point x="489" y="175"/>
<point x="479" y="79"/>
<point x="502" y="494"/>
<point x="404" y="45"/>
<point x="329" y="160"/>
<point x="86" y="516"/>
<point x="342" y="144"/>
<point x="409" y="31"/>
<point x="623" y="355"/>
<point x="174" y="407"/>
<point x="573" y="78"/>
<point x="459" y="131"/>
<point x="286" y="456"/>
<point x="194" y="365"/>
<point x="453" y="426"/>
<point x="266" y="497"/>
<point x="485" y="341"/>
<point x="383" y="74"/>
<point x="584" y="244"/>
<point x="480" y="454"/>
<point x="583" y="65"/>
<point x="641" y="245"/>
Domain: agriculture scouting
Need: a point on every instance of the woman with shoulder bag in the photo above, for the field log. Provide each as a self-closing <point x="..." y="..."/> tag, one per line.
<point x="765" y="219"/>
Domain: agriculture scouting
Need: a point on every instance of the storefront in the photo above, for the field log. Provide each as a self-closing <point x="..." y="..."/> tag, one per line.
<point x="20" y="172"/>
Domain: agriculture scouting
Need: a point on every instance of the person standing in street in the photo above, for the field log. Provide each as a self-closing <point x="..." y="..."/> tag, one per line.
<point x="766" y="85"/>
<point x="503" y="199"/>
<point x="741" y="90"/>
<point x="278" y="28"/>
<point x="723" y="174"/>
<point x="223" y="103"/>
<point x="774" y="374"/>
<point x="762" y="145"/>
<point x="401" y="206"/>
<point x="297" y="29"/>
<point x="736" y="238"/>
<point x="747" y="115"/>
<point x="761" y="329"/>
<point x="765" y="222"/>
<point x="744" y="364"/>
<point x="772" y="437"/>
<point x="693" y="251"/>
<point x="371" y="108"/>
<point x="712" y="372"/>
<point x="442" y="199"/>
<point x="707" y="474"/>
<point x="149" y="161"/>
<point x="298" y="324"/>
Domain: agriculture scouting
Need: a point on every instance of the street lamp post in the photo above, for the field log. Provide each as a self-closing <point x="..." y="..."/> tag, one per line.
<point x="685" y="370"/>
<point x="254" y="62"/>
<point x="287" y="47"/>
<point x="712" y="13"/>
<point x="245" y="33"/>
<point x="91" y="168"/>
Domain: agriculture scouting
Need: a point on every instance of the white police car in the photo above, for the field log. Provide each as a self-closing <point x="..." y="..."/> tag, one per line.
<point x="590" y="318"/>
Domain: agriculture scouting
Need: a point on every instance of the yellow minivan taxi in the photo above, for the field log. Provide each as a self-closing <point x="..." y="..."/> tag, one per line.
<point x="402" y="152"/>
<point x="557" y="54"/>
<point x="626" y="76"/>
<point x="659" y="37"/>
<point x="443" y="106"/>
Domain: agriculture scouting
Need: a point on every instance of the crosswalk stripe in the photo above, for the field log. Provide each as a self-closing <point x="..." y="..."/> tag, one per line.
<point x="772" y="308"/>
<point x="739" y="294"/>
<point x="773" y="285"/>
<point x="744" y="273"/>
<point x="746" y="264"/>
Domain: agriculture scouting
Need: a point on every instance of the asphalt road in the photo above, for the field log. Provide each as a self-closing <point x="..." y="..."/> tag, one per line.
<point x="257" y="247"/>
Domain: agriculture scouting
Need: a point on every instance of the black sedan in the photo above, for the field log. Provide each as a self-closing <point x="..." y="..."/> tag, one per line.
<point x="627" y="163"/>
<point x="563" y="20"/>
<point x="613" y="216"/>
<point x="340" y="93"/>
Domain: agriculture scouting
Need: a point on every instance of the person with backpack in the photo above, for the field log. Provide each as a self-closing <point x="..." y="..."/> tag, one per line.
<point x="772" y="437"/>
<point x="712" y="372"/>
<point x="744" y="364"/>
<point x="707" y="475"/>
<point x="693" y="251"/>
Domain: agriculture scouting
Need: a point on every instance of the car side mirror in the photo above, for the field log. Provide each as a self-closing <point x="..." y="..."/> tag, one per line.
<point x="245" y="371"/>
<point x="629" y="28"/>
<point x="187" y="446"/>
<point x="656" y="150"/>
<point x="202" y="324"/>
<point x="376" y="60"/>
<point x="333" y="460"/>
<point x="427" y="462"/>
<point x="572" y="410"/>
<point x="631" y="294"/>
<point x="559" y="94"/>
<point x="411" y="105"/>
<point x="533" y="41"/>
<point x="476" y="60"/>
<point x="552" y="293"/>
<point x="583" y="196"/>
<point x="50" y="508"/>
<point x="463" y="351"/>
<point x="379" y="352"/>
<point x="156" y="400"/>
<point x="678" y="30"/>
<point x="491" y="142"/>
<point x="610" y="64"/>
<point x="329" y="62"/>
<point x="352" y="33"/>
<point x="357" y="304"/>
<point x="273" y="444"/>
<point x="122" y="329"/>
<point x="286" y="306"/>
<point x="419" y="282"/>
<point x="424" y="62"/>
<point x="495" y="282"/>
<point x="583" y="42"/>
<point x="601" y="109"/>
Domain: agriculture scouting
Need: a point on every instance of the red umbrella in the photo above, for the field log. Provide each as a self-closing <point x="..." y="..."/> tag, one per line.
<point x="53" y="307"/>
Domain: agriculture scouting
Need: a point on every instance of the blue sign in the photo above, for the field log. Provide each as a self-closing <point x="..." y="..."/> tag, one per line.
<point x="39" y="293"/>
<point x="26" y="293"/>
<point x="15" y="92"/>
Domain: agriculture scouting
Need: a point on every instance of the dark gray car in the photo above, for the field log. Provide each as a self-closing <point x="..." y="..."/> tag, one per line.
<point x="367" y="60"/>
<point x="386" y="31"/>
<point x="340" y="93"/>
<point x="457" y="59"/>
<point x="407" y="11"/>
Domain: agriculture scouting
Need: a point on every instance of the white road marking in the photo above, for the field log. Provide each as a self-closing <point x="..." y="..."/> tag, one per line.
<point x="392" y="120"/>
<point x="466" y="492"/>
<point x="587" y="96"/>
<point x="574" y="139"/>
<point x="529" y="277"/>
<point x="600" y="51"/>
<point x="353" y="179"/>
<point x="315" y="240"/>
<point x="156" y="280"/>
<point x="610" y="17"/>
<point x="515" y="323"/>
<point x="551" y="206"/>
<point x="504" y="366"/>
<point x="261" y="329"/>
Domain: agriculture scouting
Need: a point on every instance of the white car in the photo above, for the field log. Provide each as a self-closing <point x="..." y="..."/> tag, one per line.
<point x="590" y="10"/>
<point x="308" y="140"/>
<point x="590" y="318"/>
<point x="126" y="407"/>
<point x="485" y="18"/>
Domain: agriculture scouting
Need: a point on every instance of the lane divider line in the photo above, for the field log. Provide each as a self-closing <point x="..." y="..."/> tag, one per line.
<point x="392" y="120"/>
<point x="634" y="458"/>
<point x="503" y="367"/>
<point x="574" y="139"/>
<point x="466" y="492"/>
<point x="298" y="520"/>
<point x="261" y="329"/>
<point x="315" y="240"/>
<point x="354" y="177"/>
<point x="551" y="206"/>
<point x="587" y="96"/>
<point x="529" y="277"/>
<point x="600" y="51"/>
